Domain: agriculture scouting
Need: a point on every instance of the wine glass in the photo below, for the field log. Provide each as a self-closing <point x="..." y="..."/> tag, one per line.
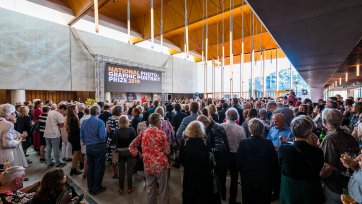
<point x="348" y="158"/>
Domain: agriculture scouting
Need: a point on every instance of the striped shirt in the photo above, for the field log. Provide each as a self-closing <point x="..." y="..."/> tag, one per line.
<point x="42" y="121"/>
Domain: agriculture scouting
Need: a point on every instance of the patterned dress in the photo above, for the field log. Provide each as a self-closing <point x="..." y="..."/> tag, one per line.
<point x="111" y="145"/>
<point x="155" y="149"/>
<point x="16" y="197"/>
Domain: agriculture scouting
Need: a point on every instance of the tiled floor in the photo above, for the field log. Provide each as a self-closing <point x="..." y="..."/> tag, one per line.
<point x="36" y="170"/>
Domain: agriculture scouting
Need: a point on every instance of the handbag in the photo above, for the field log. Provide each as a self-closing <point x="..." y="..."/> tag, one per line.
<point x="139" y="161"/>
<point x="115" y="154"/>
<point x="215" y="180"/>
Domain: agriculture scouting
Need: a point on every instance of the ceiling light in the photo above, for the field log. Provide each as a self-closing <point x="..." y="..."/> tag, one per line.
<point x="357" y="70"/>
<point x="346" y="77"/>
<point x="340" y="80"/>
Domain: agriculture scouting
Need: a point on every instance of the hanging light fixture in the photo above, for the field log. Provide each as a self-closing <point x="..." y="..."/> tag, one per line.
<point x="96" y="18"/>
<point x="357" y="70"/>
<point x="222" y="49"/>
<point x="340" y="80"/>
<point x="152" y="26"/>
<point x="203" y="33"/>
<point x="336" y="84"/>
<point x="161" y="24"/>
<point x="207" y="34"/>
<point x="186" y="46"/>
<point x="242" y="49"/>
<point x="129" y="21"/>
<point x="231" y="47"/>
<point x="347" y="77"/>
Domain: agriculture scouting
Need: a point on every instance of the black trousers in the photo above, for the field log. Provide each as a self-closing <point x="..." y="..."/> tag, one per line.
<point x="256" y="193"/>
<point x="233" y="168"/>
<point x="221" y="159"/>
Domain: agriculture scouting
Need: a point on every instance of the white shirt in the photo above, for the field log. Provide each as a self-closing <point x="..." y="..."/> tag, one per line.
<point x="54" y="119"/>
<point x="235" y="134"/>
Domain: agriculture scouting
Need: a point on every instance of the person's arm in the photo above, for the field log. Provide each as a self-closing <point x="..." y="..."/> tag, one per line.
<point x="28" y="125"/>
<point x="180" y="130"/>
<point x="164" y="144"/>
<point x="134" y="144"/>
<point x="82" y="132"/>
<point x="102" y="131"/>
<point x="108" y="129"/>
<point x="290" y="137"/>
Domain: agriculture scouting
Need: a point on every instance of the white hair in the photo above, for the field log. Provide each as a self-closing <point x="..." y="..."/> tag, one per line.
<point x="301" y="126"/>
<point x="332" y="117"/>
<point x="6" y="109"/>
<point x="11" y="174"/>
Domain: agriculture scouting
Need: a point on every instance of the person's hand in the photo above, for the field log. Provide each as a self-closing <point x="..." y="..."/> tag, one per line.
<point x="283" y="139"/>
<point x="347" y="199"/>
<point x="344" y="127"/>
<point x="351" y="164"/>
<point x="24" y="135"/>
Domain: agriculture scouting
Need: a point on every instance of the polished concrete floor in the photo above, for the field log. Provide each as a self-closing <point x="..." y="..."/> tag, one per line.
<point x="36" y="170"/>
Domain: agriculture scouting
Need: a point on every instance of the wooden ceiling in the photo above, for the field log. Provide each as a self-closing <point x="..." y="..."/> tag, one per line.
<point x="173" y="23"/>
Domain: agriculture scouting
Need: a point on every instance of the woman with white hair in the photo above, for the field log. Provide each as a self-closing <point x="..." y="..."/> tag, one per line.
<point x="10" y="150"/>
<point x="198" y="182"/>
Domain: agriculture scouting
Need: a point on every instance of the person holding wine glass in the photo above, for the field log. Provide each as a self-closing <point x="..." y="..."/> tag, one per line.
<point x="335" y="143"/>
<point x="355" y="182"/>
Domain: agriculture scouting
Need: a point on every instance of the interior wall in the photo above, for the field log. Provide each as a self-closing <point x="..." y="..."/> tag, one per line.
<point x="40" y="55"/>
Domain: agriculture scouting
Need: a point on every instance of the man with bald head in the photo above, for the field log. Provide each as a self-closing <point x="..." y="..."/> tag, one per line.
<point x="280" y="133"/>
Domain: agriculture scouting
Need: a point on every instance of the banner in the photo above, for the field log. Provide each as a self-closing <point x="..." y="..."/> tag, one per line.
<point x="131" y="79"/>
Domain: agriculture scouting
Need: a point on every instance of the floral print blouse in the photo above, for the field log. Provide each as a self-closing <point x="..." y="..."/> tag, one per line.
<point x="155" y="149"/>
<point x="17" y="197"/>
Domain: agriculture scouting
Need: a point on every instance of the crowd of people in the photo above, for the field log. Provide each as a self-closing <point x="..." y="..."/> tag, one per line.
<point x="286" y="149"/>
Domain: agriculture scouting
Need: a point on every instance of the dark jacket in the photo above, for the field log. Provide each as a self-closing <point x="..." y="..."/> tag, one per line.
<point x="222" y="115"/>
<point x="258" y="167"/>
<point x="197" y="181"/>
<point x="135" y="121"/>
<point x="300" y="165"/>
<point x="169" y="115"/>
<point x="24" y="124"/>
<point x="216" y="138"/>
<point x="257" y="160"/>
<point x="177" y="119"/>
<point x="240" y="112"/>
<point x="124" y="136"/>
<point x="105" y="116"/>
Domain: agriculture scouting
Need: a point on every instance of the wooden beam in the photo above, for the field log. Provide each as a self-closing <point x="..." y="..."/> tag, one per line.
<point x="175" y="19"/>
<point x="81" y="8"/>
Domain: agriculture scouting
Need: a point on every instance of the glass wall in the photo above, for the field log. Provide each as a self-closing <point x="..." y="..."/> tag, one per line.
<point x="266" y="74"/>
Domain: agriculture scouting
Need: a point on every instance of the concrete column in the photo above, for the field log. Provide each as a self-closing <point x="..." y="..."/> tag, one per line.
<point x="107" y="96"/>
<point x="17" y="96"/>
<point x="316" y="93"/>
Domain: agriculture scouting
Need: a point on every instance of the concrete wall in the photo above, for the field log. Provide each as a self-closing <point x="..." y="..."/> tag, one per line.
<point x="39" y="55"/>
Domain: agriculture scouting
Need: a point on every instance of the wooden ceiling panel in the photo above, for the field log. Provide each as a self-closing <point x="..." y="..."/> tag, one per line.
<point x="174" y="20"/>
